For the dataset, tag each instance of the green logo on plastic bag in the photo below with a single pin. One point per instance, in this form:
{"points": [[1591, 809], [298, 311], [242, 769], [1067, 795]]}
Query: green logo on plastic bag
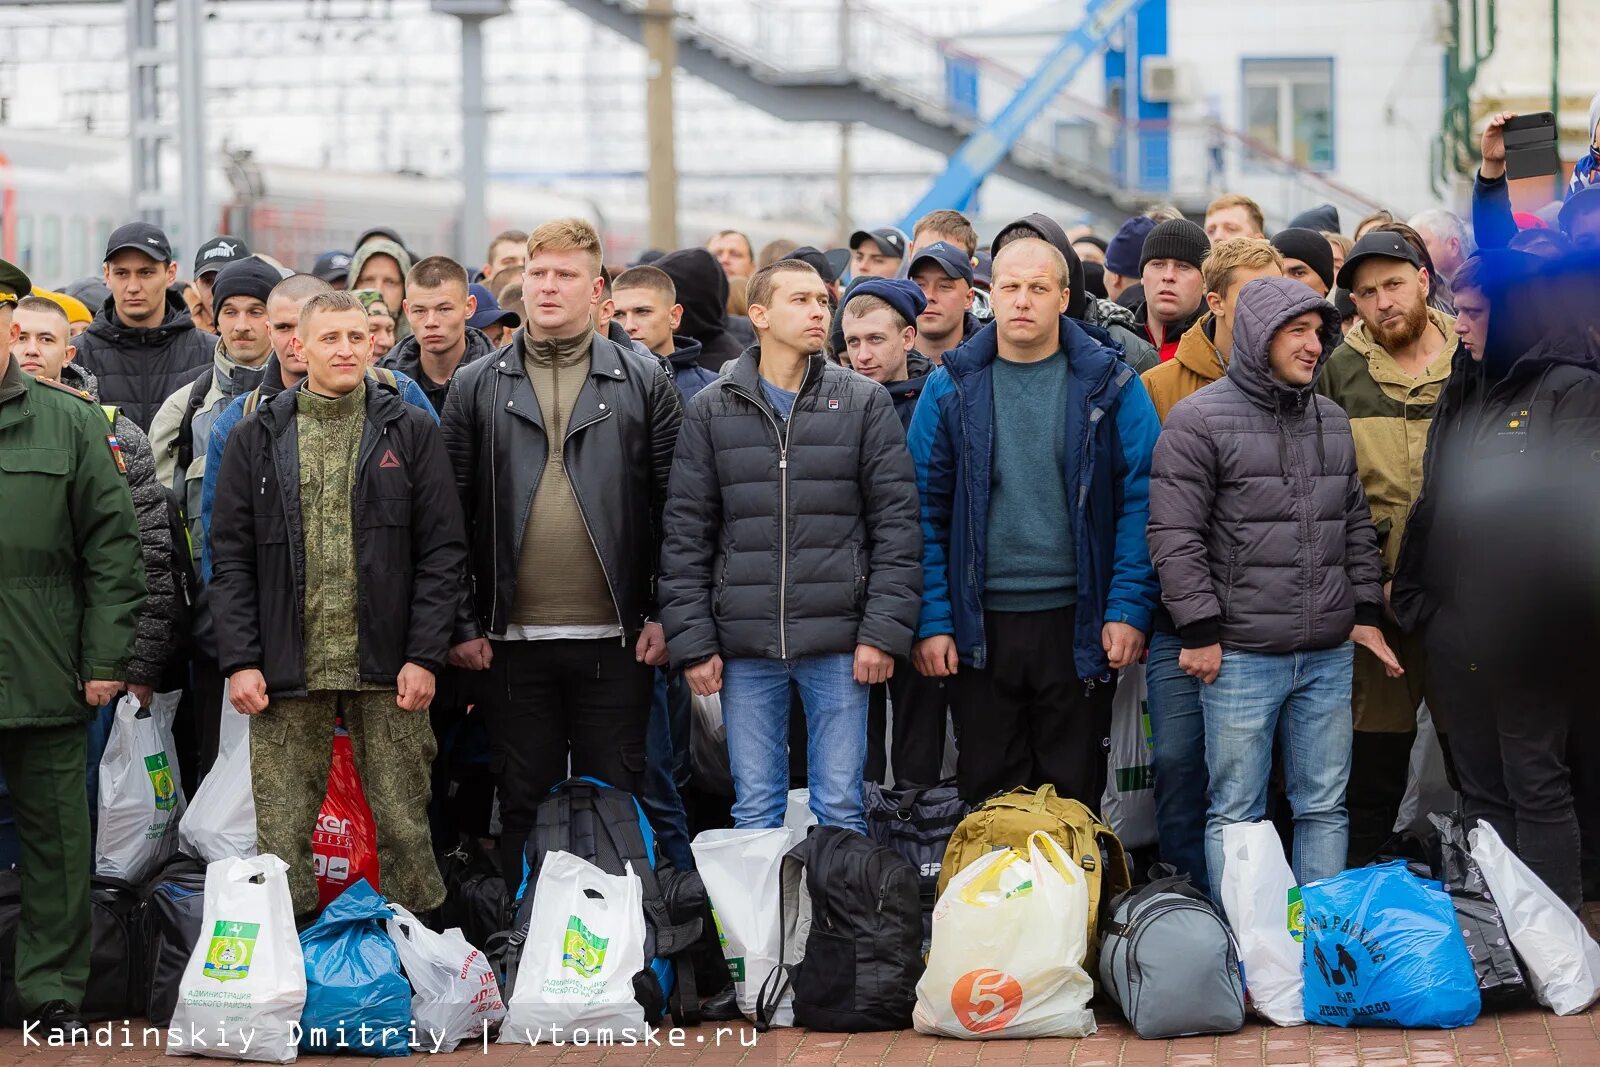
{"points": [[735, 963], [1297, 915], [232, 947], [581, 950], [161, 779]]}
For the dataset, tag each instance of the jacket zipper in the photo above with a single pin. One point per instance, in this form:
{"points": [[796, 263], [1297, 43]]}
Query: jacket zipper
{"points": [[980, 654], [364, 453], [566, 440], [783, 505]]}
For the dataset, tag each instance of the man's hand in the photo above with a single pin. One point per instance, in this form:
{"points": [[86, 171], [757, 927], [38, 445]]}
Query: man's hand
{"points": [[704, 678], [1371, 639], [247, 692], [142, 693], [936, 656], [873, 665], [652, 646], [99, 694], [1493, 146], [474, 655], [1202, 663], [414, 688], [1123, 644]]}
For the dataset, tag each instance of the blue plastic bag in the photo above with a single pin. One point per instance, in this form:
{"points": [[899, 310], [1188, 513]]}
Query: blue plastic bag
{"points": [[353, 978], [1382, 948]]}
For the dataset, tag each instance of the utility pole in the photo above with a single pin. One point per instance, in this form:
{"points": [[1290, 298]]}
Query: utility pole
{"points": [[472, 232], [661, 52], [844, 179]]}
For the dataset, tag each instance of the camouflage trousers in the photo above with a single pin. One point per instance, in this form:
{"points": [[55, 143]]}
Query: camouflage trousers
{"points": [[291, 752]]}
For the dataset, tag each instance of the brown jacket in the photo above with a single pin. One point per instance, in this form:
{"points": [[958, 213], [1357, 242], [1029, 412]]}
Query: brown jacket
{"points": [[1194, 366]]}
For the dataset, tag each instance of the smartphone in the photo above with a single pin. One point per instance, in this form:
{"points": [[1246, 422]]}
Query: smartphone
{"points": [[1531, 146]]}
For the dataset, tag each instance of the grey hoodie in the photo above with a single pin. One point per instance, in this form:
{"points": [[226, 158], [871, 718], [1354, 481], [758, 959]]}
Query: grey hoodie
{"points": [[1259, 528]]}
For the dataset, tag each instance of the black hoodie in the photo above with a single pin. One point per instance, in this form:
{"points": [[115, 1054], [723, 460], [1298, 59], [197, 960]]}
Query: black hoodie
{"points": [[905, 393], [406, 358], [139, 368], [703, 292]]}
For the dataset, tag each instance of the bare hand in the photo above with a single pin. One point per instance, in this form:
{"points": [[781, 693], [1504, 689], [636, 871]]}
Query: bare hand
{"points": [[247, 692], [704, 678], [652, 646], [474, 655], [1202, 663], [1371, 639], [1123, 644], [1493, 146], [414, 688], [99, 694], [936, 656], [873, 665]]}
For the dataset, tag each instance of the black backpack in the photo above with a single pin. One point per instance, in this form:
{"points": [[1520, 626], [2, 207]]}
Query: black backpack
{"points": [[863, 953], [115, 982], [608, 828], [475, 897], [169, 929], [916, 822]]}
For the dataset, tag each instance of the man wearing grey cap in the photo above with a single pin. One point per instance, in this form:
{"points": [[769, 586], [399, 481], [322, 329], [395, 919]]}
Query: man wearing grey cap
{"points": [[142, 343]]}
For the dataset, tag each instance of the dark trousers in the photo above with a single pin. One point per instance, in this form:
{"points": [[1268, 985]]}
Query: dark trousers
{"points": [[917, 745], [662, 803], [1508, 740], [1027, 719], [551, 702], [1380, 766]]}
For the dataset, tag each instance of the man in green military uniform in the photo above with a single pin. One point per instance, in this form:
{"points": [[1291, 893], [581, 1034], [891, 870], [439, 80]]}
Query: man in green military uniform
{"points": [[71, 581]]}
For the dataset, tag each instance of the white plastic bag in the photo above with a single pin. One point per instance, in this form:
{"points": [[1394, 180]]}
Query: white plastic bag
{"points": [[140, 799], [797, 814], [1262, 901], [585, 944], [1129, 803], [1563, 961], [708, 746], [454, 996], [221, 820], [742, 872], [1009, 937], [244, 989]]}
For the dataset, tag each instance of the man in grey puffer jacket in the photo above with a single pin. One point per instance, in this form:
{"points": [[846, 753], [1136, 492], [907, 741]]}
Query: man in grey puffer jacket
{"points": [[1268, 560]]}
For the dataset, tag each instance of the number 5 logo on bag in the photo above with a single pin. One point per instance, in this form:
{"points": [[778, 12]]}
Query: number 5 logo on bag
{"points": [[985, 1001]]}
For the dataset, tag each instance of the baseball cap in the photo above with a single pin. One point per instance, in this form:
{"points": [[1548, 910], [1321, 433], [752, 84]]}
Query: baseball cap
{"points": [[888, 240], [489, 312], [1377, 243], [14, 284], [331, 266], [818, 261], [218, 253], [950, 259], [839, 260], [145, 236], [983, 270], [1585, 199]]}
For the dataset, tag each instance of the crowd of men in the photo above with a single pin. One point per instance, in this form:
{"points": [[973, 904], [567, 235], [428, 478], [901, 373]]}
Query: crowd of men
{"points": [[1310, 481]]}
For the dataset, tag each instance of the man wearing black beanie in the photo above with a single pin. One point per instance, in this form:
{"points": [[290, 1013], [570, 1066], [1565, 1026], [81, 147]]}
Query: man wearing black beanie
{"points": [[1174, 291], [1307, 258]]}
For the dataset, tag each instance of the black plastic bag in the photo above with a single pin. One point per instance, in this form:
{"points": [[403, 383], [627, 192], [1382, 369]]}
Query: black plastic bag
{"points": [[1501, 980]]}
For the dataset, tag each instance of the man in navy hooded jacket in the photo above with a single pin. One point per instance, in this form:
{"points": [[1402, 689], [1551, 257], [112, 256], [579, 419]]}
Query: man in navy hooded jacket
{"points": [[1032, 446]]}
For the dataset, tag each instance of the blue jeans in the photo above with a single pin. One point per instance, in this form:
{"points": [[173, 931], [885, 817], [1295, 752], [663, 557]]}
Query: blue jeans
{"points": [[661, 801], [1178, 733], [755, 707], [1303, 698]]}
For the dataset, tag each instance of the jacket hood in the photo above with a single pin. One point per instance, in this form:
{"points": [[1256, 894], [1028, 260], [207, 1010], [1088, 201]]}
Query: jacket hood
{"points": [[702, 290], [1197, 350], [232, 378], [406, 355], [106, 324], [685, 353], [379, 248], [1089, 358], [1264, 306], [80, 378], [1046, 228], [1360, 338]]}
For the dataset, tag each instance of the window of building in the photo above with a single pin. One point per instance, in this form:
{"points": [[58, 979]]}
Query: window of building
{"points": [[1288, 106]]}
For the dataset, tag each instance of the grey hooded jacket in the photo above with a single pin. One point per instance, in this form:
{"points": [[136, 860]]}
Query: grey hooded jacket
{"points": [[1259, 528]]}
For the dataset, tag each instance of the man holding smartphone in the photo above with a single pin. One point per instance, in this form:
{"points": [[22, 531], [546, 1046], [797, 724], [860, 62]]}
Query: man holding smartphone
{"points": [[1492, 219]]}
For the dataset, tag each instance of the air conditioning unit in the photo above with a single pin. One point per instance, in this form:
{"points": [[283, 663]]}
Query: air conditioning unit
{"points": [[1161, 79]]}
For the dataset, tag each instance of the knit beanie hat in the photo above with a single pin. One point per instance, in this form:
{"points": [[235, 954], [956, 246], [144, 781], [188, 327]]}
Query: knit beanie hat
{"points": [[1122, 254], [1177, 239], [899, 293], [250, 277], [1310, 248], [1324, 218]]}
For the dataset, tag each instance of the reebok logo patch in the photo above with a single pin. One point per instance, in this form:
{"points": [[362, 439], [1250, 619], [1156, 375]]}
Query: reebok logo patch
{"points": [[389, 460]]}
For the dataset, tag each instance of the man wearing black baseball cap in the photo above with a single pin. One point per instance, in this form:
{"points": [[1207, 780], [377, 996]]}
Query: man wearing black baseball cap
{"points": [[212, 257], [333, 268], [880, 252], [944, 274], [818, 259], [142, 344], [1388, 375]]}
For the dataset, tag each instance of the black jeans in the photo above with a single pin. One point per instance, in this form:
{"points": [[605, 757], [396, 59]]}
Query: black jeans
{"points": [[551, 701], [917, 747], [1380, 767], [1027, 719], [1508, 741]]}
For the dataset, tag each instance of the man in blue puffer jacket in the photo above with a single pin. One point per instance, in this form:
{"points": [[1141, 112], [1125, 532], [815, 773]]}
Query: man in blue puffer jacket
{"points": [[1032, 446]]}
